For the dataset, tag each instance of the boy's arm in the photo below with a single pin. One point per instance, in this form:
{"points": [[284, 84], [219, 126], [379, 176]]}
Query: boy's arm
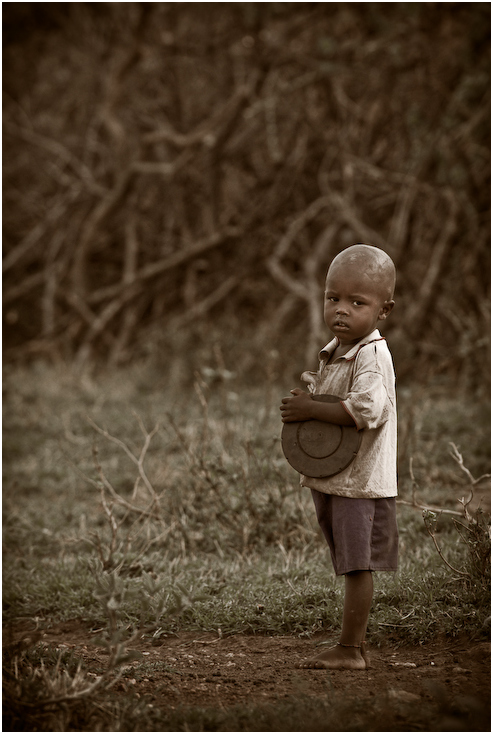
{"points": [[301, 407]]}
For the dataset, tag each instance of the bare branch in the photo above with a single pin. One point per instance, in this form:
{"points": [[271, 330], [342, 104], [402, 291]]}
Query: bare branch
{"points": [[354, 221], [99, 213], [282, 276], [418, 309], [440, 553], [205, 132], [418, 505], [130, 315], [32, 238], [59, 150], [139, 462], [457, 456], [168, 263], [162, 168], [26, 285], [429, 508], [198, 310]]}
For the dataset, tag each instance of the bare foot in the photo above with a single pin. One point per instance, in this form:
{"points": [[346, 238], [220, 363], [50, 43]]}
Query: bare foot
{"points": [[337, 658]]}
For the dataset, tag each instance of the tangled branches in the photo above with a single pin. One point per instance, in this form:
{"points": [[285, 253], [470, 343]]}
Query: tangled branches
{"points": [[171, 157]]}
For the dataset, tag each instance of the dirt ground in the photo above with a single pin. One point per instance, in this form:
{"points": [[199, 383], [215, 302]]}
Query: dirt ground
{"points": [[449, 680]]}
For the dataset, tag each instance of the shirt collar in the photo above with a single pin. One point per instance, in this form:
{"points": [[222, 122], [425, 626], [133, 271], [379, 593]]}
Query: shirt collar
{"points": [[325, 353]]}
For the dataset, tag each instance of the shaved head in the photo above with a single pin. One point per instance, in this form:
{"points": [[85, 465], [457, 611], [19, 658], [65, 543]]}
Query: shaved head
{"points": [[373, 264]]}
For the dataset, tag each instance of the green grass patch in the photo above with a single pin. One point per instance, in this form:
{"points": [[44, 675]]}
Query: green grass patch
{"points": [[104, 477], [133, 508]]}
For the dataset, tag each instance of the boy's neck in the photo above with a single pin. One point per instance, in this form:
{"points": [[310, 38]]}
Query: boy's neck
{"points": [[339, 351], [342, 348]]}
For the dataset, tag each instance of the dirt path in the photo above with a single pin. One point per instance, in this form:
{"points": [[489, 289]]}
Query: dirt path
{"points": [[436, 685]]}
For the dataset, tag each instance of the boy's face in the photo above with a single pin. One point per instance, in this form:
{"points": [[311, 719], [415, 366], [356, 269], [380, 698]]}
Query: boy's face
{"points": [[354, 303]]}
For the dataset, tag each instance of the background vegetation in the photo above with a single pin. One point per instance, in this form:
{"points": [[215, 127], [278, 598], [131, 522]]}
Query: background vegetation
{"points": [[193, 167]]}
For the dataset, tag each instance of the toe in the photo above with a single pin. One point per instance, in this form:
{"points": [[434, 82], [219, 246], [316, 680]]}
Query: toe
{"points": [[307, 664]]}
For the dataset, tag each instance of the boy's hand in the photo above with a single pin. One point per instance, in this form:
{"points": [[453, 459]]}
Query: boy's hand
{"points": [[296, 408], [301, 407]]}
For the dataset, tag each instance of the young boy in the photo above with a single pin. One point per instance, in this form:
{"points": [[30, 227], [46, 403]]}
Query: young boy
{"points": [[356, 507]]}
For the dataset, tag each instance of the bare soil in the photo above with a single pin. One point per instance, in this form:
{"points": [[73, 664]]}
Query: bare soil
{"points": [[443, 684]]}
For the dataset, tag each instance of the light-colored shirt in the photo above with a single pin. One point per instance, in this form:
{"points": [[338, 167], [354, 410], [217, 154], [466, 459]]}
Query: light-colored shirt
{"points": [[364, 380]]}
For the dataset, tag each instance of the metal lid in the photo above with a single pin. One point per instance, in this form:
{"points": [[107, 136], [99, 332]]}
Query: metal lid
{"points": [[317, 448]]}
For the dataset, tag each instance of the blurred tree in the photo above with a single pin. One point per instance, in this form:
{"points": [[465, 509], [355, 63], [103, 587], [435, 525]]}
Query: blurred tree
{"points": [[162, 160]]}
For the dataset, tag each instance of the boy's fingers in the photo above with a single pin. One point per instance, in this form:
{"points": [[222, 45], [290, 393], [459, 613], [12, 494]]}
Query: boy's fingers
{"points": [[285, 401]]}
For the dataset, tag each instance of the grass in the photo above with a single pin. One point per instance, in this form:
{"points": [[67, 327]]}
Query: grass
{"points": [[130, 503]]}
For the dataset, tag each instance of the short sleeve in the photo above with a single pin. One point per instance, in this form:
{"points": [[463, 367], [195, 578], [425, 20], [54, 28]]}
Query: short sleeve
{"points": [[371, 397], [368, 402]]}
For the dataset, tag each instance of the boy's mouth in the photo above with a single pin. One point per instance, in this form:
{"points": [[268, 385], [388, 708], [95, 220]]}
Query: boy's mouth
{"points": [[340, 325]]}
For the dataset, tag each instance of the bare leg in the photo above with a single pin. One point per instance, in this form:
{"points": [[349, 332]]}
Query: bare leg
{"points": [[358, 597], [357, 603]]}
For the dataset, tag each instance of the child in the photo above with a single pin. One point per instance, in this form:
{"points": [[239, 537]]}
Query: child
{"points": [[355, 508]]}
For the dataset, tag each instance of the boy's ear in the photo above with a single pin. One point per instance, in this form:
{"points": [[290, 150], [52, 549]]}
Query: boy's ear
{"points": [[386, 309]]}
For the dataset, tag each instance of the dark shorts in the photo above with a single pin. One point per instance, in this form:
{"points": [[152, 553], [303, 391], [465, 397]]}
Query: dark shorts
{"points": [[362, 533]]}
